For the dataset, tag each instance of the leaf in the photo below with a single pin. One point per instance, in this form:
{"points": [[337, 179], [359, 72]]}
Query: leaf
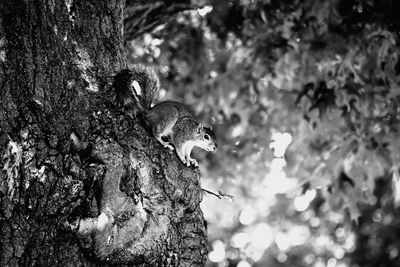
{"points": [[354, 211], [351, 195]]}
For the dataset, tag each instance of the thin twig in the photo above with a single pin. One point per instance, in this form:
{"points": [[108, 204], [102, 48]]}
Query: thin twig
{"points": [[219, 195]]}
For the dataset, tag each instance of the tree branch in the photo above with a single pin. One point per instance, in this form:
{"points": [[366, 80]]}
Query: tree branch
{"points": [[144, 17]]}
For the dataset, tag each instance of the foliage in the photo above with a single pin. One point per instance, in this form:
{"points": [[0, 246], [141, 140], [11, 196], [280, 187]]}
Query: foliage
{"points": [[326, 73]]}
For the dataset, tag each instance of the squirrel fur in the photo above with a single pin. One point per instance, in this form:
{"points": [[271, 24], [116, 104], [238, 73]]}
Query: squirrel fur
{"points": [[172, 123]]}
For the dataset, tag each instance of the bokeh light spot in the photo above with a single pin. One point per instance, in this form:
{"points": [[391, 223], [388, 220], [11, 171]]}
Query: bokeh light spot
{"points": [[218, 252], [240, 240], [261, 237], [243, 263], [301, 203], [247, 216], [280, 142]]}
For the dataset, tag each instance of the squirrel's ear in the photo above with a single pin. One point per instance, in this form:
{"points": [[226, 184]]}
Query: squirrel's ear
{"points": [[199, 128]]}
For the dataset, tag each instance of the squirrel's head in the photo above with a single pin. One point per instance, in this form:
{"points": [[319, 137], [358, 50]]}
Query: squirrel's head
{"points": [[205, 138]]}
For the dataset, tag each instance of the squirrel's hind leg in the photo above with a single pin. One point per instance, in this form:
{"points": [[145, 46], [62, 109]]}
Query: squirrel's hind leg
{"points": [[163, 119], [164, 143], [163, 130]]}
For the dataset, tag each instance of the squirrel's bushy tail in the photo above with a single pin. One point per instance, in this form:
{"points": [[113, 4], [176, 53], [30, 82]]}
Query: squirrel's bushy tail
{"points": [[136, 87]]}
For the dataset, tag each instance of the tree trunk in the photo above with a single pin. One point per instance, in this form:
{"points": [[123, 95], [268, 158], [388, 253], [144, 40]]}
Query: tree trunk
{"points": [[81, 183]]}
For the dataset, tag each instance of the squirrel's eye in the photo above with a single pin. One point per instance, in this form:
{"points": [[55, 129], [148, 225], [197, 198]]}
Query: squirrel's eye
{"points": [[206, 137]]}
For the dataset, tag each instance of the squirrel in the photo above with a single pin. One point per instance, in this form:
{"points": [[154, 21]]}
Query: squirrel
{"points": [[172, 123]]}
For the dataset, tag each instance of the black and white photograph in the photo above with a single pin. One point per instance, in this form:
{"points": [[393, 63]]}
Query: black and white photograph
{"points": [[191, 133]]}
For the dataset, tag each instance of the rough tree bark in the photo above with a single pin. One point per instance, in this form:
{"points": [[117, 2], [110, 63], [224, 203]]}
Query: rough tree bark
{"points": [[81, 183]]}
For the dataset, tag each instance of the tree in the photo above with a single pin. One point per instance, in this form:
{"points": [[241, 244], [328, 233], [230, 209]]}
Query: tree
{"points": [[70, 158]]}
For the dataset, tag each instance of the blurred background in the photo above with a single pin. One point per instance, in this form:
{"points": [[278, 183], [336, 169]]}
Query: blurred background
{"points": [[303, 97]]}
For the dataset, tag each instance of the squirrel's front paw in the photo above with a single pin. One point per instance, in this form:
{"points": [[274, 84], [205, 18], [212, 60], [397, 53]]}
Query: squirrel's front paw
{"points": [[193, 162], [184, 160]]}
